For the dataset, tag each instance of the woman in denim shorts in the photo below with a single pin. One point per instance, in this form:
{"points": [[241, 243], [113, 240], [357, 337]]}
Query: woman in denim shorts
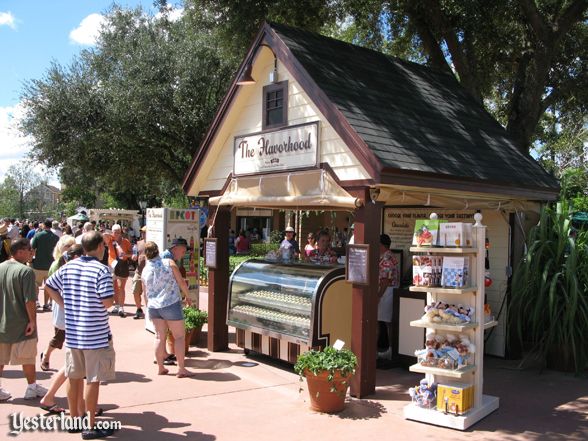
{"points": [[163, 287]]}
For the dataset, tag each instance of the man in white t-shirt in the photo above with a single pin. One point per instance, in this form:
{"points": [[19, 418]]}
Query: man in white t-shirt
{"points": [[85, 229]]}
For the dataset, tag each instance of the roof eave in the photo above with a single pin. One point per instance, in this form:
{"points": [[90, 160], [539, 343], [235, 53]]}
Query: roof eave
{"points": [[423, 179]]}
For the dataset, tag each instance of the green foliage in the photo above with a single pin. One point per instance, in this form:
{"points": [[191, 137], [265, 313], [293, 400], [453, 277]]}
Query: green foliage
{"points": [[176, 200], [126, 117], [329, 359], [261, 249], [549, 304], [574, 187], [194, 318], [276, 237], [235, 261], [9, 198]]}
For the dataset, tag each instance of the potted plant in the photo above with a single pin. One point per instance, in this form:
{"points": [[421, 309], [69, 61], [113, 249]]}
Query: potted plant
{"points": [[327, 374], [194, 319]]}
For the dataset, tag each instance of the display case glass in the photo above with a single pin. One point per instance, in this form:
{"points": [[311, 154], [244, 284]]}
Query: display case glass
{"points": [[276, 298]]}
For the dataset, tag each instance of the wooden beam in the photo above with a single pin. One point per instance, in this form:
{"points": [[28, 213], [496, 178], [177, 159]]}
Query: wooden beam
{"points": [[365, 298], [218, 284]]}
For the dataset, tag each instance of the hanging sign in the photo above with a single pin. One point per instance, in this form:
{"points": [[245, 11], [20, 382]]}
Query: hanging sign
{"points": [[357, 264], [210, 252], [291, 148]]}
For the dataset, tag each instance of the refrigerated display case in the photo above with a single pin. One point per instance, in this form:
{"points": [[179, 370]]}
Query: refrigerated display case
{"points": [[283, 309]]}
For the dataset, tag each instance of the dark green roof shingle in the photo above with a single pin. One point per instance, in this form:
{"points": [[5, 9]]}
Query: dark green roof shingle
{"points": [[413, 117]]}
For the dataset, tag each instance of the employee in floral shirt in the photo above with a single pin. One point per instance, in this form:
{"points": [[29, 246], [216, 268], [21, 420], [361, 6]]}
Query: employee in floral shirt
{"points": [[323, 254], [388, 279]]}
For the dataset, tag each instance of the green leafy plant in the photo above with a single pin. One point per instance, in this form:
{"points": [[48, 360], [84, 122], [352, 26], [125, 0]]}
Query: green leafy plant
{"points": [[194, 318], [329, 359], [549, 304]]}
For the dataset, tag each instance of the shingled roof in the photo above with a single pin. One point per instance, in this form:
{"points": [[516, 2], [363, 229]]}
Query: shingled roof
{"points": [[413, 118]]}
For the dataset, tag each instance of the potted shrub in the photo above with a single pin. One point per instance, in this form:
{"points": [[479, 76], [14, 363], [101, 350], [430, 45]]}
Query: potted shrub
{"points": [[194, 319], [327, 374]]}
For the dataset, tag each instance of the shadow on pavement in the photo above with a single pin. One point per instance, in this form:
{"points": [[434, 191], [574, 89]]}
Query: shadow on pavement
{"points": [[130, 377], [136, 425], [362, 410], [16, 372], [213, 376]]}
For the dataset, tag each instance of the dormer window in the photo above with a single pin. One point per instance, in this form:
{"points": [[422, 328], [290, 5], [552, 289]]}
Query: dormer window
{"points": [[275, 105]]}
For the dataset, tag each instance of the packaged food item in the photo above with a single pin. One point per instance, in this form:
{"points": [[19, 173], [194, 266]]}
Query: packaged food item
{"points": [[455, 272], [455, 234], [424, 395], [426, 232], [455, 398]]}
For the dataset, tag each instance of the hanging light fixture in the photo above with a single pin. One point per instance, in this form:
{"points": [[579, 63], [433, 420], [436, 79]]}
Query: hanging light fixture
{"points": [[246, 77]]}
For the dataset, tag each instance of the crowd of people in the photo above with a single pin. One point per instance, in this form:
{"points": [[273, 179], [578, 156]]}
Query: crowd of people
{"points": [[82, 273]]}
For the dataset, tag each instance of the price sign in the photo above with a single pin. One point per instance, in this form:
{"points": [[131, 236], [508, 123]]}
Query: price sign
{"points": [[357, 264], [210, 252]]}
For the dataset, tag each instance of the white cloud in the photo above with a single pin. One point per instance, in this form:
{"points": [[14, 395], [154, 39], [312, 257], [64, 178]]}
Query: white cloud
{"points": [[87, 32], [13, 146], [173, 14], [7, 19]]}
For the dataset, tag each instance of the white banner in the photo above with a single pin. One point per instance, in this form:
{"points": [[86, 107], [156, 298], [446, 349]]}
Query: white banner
{"points": [[291, 148]]}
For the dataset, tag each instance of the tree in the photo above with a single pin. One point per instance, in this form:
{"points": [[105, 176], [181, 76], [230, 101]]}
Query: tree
{"points": [[9, 200], [22, 179], [519, 57], [126, 117]]}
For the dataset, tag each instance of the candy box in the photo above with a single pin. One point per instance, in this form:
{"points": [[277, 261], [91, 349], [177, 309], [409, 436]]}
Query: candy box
{"points": [[455, 234], [455, 398], [426, 232], [423, 270], [455, 272]]}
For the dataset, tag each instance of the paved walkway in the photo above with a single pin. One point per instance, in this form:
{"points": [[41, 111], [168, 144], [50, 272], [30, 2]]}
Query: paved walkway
{"points": [[235, 398]]}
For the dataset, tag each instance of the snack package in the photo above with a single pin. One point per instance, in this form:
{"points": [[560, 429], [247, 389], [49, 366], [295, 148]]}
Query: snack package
{"points": [[455, 272], [455, 234], [426, 232]]}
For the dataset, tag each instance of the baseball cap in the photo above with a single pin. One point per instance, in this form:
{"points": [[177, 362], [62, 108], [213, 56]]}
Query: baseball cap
{"points": [[289, 230], [179, 241]]}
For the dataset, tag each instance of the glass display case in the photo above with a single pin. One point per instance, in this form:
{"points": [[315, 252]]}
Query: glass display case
{"points": [[287, 302]]}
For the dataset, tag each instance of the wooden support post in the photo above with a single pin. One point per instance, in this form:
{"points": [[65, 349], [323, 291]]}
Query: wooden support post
{"points": [[218, 284], [365, 298]]}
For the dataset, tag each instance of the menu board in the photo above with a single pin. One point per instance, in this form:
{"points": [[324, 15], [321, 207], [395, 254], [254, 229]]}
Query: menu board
{"points": [[398, 223], [210, 252], [357, 264]]}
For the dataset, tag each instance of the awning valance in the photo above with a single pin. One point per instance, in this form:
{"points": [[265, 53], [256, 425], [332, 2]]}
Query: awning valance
{"points": [[451, 199], [308, 189]]}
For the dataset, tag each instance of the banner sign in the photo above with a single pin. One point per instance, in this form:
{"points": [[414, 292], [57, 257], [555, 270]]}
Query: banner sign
{"points": [[291, 148]]}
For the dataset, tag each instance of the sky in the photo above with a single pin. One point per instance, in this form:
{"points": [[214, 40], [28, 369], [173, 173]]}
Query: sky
{"points": [[33, 33]]}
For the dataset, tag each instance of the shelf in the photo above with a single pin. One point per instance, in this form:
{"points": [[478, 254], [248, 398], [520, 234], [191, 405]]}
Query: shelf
{"points": [[443, 326], [301, 308], [438, 250], [271, 315], [459, 422], [436, 290], [452, 373], [490, 324]]}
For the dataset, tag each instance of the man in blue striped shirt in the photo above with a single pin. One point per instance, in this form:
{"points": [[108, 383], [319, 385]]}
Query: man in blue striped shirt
{"points": [[84, 289]]}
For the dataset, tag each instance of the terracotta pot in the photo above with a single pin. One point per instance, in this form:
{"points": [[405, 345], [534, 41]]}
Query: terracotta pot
{"points": [[195, 341], [188, 339], [322, 399]]}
